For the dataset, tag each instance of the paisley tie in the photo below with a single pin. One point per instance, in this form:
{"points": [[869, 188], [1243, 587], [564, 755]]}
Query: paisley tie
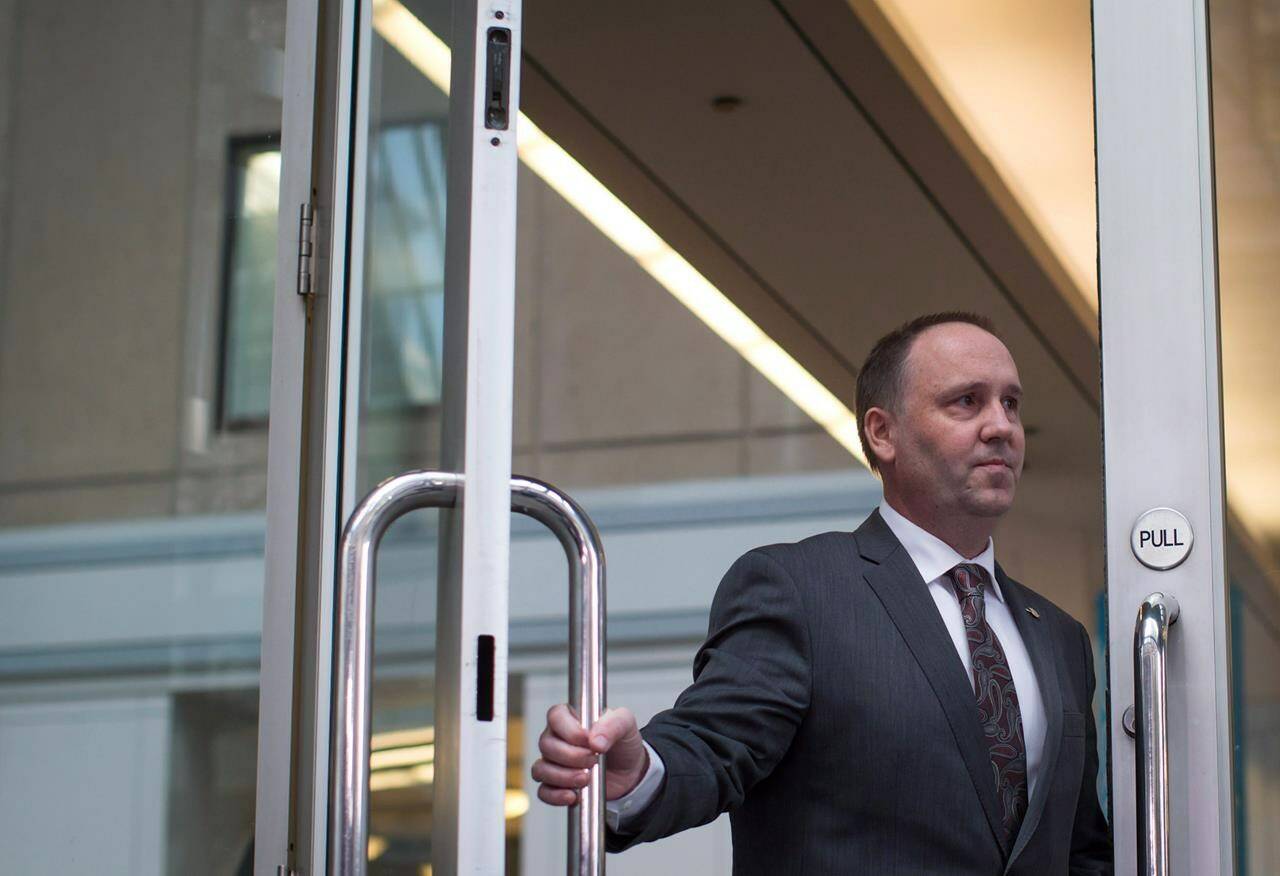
{"points": [[997, 699]]}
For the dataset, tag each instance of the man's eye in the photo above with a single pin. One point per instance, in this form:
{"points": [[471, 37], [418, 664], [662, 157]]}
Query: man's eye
{"points": [[966, 399], [1011, 404]]}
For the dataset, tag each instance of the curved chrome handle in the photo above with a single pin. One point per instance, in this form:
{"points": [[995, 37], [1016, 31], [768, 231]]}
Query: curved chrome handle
{"points": [[1150, 645], [581, 542], [353, 642]]}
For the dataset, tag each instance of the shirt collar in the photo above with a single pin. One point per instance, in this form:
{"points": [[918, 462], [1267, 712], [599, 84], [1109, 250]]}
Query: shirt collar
{"points": [[933, 556]]}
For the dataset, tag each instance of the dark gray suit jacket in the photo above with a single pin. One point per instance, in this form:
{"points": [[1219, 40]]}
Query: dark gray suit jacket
{"points": [[832, 718]]}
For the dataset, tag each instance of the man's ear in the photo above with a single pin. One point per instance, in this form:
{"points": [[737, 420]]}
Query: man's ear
{"points": [[877, 423]]}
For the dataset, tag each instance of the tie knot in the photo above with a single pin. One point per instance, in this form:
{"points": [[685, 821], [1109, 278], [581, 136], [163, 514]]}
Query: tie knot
{"points": [[968, 579]]}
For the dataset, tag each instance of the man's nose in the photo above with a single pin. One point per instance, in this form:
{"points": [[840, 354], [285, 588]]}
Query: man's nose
{"points": [[997, 425]]}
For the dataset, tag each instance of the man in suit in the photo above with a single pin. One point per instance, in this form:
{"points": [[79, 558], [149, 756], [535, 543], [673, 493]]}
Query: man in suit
{"points": [[887, 701]]}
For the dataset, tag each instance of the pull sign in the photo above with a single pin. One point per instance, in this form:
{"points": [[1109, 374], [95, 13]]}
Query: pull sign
{"points": [[1161, 539], [497, 79]]}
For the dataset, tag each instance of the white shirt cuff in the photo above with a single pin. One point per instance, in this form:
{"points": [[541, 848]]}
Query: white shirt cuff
{"points": [[618, 814]]}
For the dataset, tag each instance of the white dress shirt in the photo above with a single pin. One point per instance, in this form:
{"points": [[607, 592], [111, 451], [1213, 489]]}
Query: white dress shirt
{"points": [[933, 558]]}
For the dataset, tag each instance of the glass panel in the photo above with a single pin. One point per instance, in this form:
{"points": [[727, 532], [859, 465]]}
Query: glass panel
{"points": [[1035, 130], [633, 392], [1256, 713], [634, 389], [1246, 107], [405, 279], [139, 168], [399, 428], [677, 447]]}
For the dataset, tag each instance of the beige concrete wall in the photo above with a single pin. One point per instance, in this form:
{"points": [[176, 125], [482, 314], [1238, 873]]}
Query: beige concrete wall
{"points": [[115, 145], [91, 329]]}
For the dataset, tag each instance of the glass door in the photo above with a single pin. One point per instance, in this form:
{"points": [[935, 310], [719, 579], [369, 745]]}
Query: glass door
{"points": [[696, 407], [419, 129], [1187, 208], [1243, 63]]}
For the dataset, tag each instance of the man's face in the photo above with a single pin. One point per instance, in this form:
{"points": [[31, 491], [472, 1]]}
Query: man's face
{"points": [[958, 439]]}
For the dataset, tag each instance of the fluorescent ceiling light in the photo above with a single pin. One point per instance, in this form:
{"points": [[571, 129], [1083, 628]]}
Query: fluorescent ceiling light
{"points": [[515, 804], [401, 738], [413, 39], [425, 51], [386, 780], [410, 755]]}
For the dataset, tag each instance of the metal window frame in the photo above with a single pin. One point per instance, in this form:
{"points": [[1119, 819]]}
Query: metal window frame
{"points": [[1162, 404]]}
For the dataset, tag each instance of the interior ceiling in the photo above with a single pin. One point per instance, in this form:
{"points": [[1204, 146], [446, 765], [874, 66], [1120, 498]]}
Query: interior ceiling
{"points": [[797, 203], [833, 202], [1035, 127], [1037, 130]]}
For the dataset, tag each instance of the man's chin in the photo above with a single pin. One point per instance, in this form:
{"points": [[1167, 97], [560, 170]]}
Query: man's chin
{"points": [[990, 503]]}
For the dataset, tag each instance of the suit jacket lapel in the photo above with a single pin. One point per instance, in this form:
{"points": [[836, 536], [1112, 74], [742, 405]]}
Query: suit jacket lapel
{"points": [[1036, 637], [905, 595]]}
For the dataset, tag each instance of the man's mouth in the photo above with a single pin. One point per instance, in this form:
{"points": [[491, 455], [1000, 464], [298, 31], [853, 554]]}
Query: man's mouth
{"points": [[994, 463]]}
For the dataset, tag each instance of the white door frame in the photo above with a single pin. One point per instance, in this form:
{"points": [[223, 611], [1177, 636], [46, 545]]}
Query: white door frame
{"points": [[288, 433], [474, 568]]}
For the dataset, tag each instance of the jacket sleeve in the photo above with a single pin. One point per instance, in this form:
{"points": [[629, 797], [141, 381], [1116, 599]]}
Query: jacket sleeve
{"points": [[1091, 850], [750, 691]]}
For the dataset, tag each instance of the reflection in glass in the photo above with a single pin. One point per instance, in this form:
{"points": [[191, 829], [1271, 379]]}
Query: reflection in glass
{"points": [[251, 279], [1246, 108], [402, 772], [405, 260], [405, 278], [402, 318]]}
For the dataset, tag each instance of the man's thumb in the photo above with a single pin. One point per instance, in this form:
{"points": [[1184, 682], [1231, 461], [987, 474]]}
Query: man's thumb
{"points": [[613, 726]]}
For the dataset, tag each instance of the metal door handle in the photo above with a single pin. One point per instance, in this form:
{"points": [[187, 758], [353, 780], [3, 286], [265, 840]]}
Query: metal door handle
{"points": [[391, 499], [353, 640], [581, 542], [1151, 729]]}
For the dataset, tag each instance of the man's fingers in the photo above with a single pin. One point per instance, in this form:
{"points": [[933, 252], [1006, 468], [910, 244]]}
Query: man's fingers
{"points": [[558, 785], [558, 776], [557, 796], [614, 725], [557, 751], [564, 723], [569, 753]]}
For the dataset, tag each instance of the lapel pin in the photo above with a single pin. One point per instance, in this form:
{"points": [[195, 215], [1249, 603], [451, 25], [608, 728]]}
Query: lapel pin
{"points": [[1031, 611]]}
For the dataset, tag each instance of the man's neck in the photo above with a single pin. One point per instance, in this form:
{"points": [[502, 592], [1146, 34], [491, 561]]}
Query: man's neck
{"points": [[966, 536]]}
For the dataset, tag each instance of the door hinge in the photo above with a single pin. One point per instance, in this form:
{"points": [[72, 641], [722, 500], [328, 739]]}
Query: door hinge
{"points": [[306, 223]]}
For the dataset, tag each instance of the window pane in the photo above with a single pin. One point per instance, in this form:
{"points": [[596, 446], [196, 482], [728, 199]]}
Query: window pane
{"points": [[405, 266], [251, 281]]}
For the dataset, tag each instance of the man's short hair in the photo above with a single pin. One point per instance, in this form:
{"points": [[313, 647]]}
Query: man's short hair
{"points": [[880, 380]]}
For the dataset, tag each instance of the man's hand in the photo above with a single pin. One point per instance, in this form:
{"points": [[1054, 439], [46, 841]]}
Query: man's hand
{"points": [[568, 752]]}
